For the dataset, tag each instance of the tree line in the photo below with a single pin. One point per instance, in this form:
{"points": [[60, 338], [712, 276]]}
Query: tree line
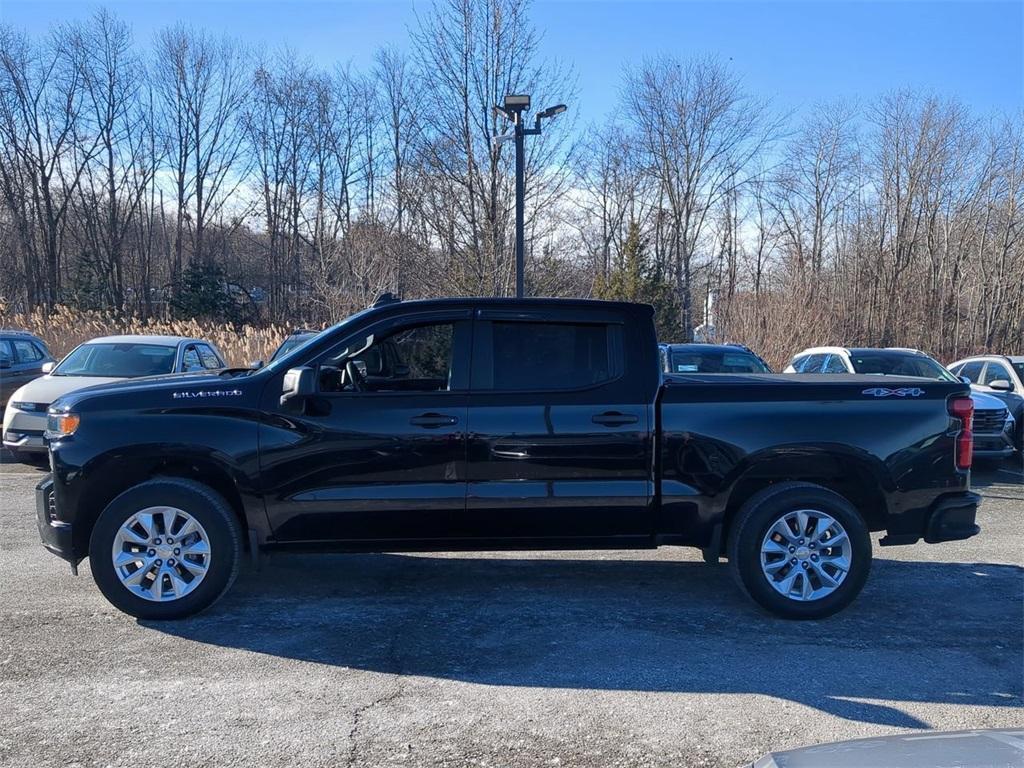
{"points": [[193, 175]]}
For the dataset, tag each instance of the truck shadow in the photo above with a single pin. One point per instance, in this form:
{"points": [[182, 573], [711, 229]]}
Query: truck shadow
{"points": [[920, 631]]}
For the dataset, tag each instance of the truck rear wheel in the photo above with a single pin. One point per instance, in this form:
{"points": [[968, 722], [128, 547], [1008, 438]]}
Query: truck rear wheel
{"points": [[165, 549], [799, 550]]}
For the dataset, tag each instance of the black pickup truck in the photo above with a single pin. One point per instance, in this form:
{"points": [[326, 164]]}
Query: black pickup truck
{"points": [[483, 424]]}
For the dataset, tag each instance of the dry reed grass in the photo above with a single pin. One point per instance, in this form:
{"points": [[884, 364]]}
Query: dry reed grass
{"points": [[65, 328]]}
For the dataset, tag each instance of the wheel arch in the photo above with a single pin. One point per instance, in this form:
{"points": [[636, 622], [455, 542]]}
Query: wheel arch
{"points": [[855, 478], [118, 474]]}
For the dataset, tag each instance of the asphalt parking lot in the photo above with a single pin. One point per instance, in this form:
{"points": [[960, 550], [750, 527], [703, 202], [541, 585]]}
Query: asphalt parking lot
{"points": [[568, 659]]}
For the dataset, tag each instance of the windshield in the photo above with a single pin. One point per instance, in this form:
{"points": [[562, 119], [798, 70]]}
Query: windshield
{"points": [[716, 361], [889, 364], [1019, 368], [126, 360], [291, 343]]}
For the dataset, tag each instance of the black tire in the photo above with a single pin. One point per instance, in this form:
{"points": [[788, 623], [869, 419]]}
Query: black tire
{"points": [[201, 502], [751, 525]]}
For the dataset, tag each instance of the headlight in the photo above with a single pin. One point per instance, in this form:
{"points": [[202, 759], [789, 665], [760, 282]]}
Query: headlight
{"points": [[61, 425], [19, 406]]}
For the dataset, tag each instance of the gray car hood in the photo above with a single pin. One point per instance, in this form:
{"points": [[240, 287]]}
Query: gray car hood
{"points": [[1003, 748]]}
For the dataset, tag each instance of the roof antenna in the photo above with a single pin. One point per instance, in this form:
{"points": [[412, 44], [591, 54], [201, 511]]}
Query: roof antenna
{"points": [[385, 298]]}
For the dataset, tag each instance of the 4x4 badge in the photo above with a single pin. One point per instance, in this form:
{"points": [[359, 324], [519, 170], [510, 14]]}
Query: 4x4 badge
{"points": [[899, 392]]}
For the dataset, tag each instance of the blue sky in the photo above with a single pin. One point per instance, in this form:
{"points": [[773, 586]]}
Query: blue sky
{"points": [[798, 53]]}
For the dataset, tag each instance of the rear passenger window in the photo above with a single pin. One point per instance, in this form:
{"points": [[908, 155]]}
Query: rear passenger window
{"points": [[6, 353], [552, 356]]}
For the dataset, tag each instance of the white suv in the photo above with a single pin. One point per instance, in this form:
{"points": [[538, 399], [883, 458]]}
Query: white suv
{"points": [[1001, 376]]}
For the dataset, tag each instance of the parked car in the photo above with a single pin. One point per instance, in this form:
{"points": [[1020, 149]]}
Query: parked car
{"points": [[710, 358], [500, 424], [980, 748], [993, 425], [294, 339], [99, 361], [22, 357], [1001, 376]]}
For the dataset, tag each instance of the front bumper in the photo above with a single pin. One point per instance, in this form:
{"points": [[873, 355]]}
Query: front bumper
{"points": [[25, 442], [23, 430], [994, 445], [55, 534]]}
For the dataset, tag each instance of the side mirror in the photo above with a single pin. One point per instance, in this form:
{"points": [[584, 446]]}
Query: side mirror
{"points": [[47, 367], [1001, 385], [965, 380], [256, 364], [298, 383]]}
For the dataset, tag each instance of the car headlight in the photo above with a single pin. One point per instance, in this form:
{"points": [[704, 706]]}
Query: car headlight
{"points": [[22, 406], [61, 424]]}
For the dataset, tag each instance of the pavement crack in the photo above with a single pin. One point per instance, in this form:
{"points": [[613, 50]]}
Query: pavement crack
{"points": [[397, 675]]}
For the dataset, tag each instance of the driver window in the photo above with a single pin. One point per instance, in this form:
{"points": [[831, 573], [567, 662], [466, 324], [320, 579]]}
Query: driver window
{"points": [[416, 359], [995, 372]]}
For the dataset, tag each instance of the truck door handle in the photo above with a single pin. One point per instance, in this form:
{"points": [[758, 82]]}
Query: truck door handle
{"points": [[614, 419], [433, 420]]}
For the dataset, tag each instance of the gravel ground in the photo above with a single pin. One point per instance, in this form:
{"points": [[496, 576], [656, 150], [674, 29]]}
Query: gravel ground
{"points": [[524, 659]]}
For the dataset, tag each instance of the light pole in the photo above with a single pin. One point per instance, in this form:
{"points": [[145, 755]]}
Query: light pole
{"points": [[512, 110]]}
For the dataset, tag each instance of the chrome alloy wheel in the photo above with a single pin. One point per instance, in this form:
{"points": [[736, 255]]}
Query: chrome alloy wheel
{"points": [[161, 554], [806, 555]]}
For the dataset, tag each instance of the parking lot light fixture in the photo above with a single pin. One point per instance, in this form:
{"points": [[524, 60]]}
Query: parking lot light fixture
{"points": [[512, 109]]}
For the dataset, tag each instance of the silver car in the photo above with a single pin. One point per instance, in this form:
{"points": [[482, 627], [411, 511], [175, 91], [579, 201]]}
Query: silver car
{"points": [[100, 361], [982, 748]]}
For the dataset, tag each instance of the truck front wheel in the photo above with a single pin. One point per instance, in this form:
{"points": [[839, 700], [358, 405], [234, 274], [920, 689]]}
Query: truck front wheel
{"points": [[165, 549], [799, 550]]}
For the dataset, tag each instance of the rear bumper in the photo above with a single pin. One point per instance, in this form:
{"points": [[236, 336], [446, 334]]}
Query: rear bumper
{"points": [[952, 518], [55, 534]]}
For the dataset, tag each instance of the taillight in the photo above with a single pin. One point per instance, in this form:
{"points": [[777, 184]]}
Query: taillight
{"points": [[963, 408]]}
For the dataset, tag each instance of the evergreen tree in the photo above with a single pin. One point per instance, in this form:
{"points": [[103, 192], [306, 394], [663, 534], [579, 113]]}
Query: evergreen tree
{"points": [[636, 278], [203, 293]]}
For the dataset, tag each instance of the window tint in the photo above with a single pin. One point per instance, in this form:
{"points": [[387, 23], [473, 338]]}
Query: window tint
{"points": [[713, 361], [417, 359], [6, 352], [26, 352], [995, 372], [890, 364], [190, 360], [814, 364], [834, 364], [551, 356], [208, 357], [798, 363], [972, 371]]}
